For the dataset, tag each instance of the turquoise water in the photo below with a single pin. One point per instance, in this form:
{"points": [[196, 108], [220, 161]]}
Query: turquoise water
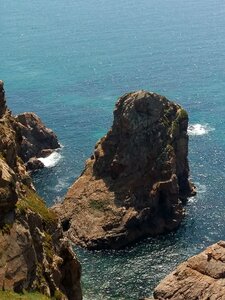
{"points": [[69, 61]]}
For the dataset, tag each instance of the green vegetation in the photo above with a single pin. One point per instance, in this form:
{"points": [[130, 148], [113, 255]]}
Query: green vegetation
{"points": [[165, 121], [182, 114], [175, 127], [58, 295], [5, 229], [47, 244], [2, 157], [169, 149], [100, 205], [40, 281], [33, 202], [8, 295]]}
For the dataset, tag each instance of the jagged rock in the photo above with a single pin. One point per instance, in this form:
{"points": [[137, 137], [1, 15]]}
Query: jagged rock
{"points": [[2, 99], [200, 277], [34, 255], [46, 152], [132, 185], [8, 188], [38, 140], [34, 164]]}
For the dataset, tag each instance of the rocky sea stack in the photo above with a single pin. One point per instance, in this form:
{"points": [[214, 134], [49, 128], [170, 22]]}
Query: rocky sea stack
{"points": [[134, 183], [34, 255]]}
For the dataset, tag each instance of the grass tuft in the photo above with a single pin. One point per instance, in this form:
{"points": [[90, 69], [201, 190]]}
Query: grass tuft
{"points": [[35, 203]]}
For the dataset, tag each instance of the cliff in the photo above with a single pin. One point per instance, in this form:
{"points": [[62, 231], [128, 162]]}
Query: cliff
{"points": [[200, 277], [34, 255], [133, 184]]}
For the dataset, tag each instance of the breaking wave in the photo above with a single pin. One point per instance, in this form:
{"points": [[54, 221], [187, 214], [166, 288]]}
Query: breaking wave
{"points": [[51, 160], [198, 129]]}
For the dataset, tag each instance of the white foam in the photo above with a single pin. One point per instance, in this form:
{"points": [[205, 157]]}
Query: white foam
{"points": [[51, 160], [199, 129]]}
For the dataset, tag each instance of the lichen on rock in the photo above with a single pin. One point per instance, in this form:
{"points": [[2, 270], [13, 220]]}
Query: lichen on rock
{"points": [[133, 184]]}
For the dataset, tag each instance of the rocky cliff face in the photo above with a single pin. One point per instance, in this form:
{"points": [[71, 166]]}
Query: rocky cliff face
{"points": [[200, 277], [133, 184], [33, 253]]}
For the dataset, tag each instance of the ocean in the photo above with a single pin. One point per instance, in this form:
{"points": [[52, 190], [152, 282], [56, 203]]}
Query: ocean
{"points": [[69, 61]]}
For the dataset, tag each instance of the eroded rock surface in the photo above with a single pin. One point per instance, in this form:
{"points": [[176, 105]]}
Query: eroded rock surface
{"points": [[37, 140], [34, 255], [133, 184], [200, 277]]}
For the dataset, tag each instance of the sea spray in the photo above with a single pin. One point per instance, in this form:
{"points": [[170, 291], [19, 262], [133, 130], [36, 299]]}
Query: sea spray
{"points": [[199, 129], [51, 160]]}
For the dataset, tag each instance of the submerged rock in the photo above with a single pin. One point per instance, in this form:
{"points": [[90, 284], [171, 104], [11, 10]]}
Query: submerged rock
{"points": [[34, 255], [133, 184], [200, 277]]}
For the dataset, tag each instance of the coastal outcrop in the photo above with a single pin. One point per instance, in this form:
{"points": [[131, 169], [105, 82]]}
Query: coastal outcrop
{"points": [[200, 277], [37, 140], [34, 255], [134, 183]]}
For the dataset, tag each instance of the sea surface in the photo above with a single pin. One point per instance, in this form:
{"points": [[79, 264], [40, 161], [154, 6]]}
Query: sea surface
{"points": [[70, 60]]}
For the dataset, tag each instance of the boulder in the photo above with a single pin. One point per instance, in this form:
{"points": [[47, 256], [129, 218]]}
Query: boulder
{"points": [[37, 139], [133, 184], [34, 164], [200, 277]]}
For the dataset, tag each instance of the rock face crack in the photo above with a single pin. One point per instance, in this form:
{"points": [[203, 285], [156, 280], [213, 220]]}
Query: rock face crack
{"points": [[136, 178]]}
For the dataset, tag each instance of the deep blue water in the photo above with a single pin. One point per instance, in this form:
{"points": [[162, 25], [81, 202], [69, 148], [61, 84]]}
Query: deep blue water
{"points": [[70, 60]]}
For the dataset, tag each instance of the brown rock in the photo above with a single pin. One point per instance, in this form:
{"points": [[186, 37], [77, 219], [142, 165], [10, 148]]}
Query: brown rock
{"points": [[34, 255], [36, 137], [200, 277], [132, 185], [8, 189]]}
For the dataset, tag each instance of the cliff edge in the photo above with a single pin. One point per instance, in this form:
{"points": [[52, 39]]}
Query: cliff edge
{"points": [[34, 255], [134, 183]]}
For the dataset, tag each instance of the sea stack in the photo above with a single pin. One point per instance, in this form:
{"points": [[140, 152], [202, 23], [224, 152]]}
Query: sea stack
{"points": [[134, 183]]}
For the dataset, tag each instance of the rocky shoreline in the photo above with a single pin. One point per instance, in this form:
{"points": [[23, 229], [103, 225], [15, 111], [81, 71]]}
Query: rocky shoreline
{"points": [[134, 185], [34, 254]]}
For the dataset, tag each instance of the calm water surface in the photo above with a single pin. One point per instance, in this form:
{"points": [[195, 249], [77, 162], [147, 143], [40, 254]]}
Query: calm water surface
{"points": [[69, 61]]}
